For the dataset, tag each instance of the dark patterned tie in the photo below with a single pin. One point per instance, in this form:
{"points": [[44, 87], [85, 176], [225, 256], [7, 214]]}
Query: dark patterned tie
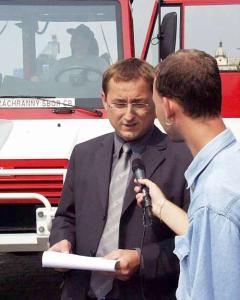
{"points": [[100, 284]]}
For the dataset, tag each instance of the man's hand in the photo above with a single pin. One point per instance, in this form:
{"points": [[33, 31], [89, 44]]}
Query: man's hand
{"points": [[128, 263], [63, 246]]}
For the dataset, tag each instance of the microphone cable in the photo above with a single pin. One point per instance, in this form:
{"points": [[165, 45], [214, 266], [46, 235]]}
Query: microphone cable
{"points": [[139, 172], [141, 270]]}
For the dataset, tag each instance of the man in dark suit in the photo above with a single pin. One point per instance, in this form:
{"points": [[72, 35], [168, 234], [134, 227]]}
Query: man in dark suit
{"points": [[148, 272]]}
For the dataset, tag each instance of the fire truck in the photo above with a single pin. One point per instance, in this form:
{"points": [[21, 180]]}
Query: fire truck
{"points": [[49, 101]]}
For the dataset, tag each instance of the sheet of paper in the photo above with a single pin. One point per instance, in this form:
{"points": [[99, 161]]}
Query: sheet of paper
{"points": [[51, 259]]}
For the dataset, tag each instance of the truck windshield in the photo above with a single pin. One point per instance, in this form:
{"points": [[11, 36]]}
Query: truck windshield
{"points": [[59, 49]]}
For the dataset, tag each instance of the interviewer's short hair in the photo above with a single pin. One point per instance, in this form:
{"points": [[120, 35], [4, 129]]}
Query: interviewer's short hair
{"points": [[127, 70], [192, 78]]}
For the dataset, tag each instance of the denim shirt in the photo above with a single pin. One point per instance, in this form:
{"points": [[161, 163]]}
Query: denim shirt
{"points": [[209, 253]]}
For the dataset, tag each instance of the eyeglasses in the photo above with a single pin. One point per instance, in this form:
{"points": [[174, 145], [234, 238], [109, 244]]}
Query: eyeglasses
{"points": [[122, 106]]}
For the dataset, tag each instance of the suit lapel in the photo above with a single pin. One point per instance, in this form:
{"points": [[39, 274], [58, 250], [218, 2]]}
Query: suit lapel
{"points": [[152, 158], [103, 165]]}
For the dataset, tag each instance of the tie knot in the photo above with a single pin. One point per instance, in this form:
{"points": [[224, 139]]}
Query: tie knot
{"points": [[126, 148]]}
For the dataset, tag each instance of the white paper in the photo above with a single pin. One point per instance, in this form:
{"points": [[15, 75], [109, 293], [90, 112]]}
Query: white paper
{"points": [[52, 259]]}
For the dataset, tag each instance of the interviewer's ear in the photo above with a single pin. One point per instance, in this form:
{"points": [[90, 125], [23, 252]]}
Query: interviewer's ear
{"points": [[104, 100], [168, 106]]}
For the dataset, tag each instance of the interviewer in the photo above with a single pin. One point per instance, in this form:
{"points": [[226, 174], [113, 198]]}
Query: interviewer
{"points": [[187, 97]]}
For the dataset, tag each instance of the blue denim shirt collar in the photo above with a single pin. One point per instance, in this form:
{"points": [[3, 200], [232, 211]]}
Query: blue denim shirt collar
{"points": [[206, 154]]}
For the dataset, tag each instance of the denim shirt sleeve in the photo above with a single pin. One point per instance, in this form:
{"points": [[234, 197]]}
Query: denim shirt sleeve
{"points": [[209, 257]]}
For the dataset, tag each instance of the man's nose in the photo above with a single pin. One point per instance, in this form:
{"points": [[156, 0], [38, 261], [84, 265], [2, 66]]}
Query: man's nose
{"points": [[129, 113]]}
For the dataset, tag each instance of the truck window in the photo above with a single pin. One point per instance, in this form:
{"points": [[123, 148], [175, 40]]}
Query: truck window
{"points": [[140, 28], [215, 29], [58, 50], [153, 53]]}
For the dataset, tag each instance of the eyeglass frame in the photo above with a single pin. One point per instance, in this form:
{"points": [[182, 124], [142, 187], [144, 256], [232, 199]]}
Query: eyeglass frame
{"points": [[124, 106]]}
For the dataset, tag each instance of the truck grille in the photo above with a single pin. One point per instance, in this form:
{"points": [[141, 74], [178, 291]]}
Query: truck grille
{"points": [[18, 215], [49, 186]]}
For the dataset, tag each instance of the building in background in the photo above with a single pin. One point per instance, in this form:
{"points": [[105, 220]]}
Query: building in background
{"points": [[226, 63]]}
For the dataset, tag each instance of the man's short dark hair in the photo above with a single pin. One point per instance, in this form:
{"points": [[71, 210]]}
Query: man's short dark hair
{"points": [[192, 78], [127, 70]]}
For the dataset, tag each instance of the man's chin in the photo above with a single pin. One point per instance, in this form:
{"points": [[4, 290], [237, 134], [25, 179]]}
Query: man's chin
{"points": [[176, 139], [129, 136]]}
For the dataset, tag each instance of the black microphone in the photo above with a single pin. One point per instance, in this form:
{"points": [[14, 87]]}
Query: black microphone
{"points": [[140, 173]]}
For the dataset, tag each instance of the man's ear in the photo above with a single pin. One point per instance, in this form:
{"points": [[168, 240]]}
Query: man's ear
{"points": [[104, 100], [169, 107]]}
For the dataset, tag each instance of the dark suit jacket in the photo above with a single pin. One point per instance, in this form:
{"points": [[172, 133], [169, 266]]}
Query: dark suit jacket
{"points": [[81, 215]]}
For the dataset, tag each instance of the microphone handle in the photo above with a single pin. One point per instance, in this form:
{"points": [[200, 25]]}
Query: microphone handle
{"points": [[147, 206]]}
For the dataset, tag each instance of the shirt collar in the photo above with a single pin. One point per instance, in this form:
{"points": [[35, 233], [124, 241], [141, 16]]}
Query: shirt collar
{"points": [[118, 142], [207, 153]]}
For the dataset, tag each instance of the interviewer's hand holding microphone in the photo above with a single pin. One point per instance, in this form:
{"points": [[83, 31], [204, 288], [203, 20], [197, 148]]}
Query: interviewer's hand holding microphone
{"points": [[169, 213]]}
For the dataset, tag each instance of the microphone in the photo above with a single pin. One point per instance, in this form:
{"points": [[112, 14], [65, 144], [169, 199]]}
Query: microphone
{"points": [[140, 173]]}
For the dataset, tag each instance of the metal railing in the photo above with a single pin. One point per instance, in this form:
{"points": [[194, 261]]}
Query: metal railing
{"points": [[13, 242], [12, 172]]}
